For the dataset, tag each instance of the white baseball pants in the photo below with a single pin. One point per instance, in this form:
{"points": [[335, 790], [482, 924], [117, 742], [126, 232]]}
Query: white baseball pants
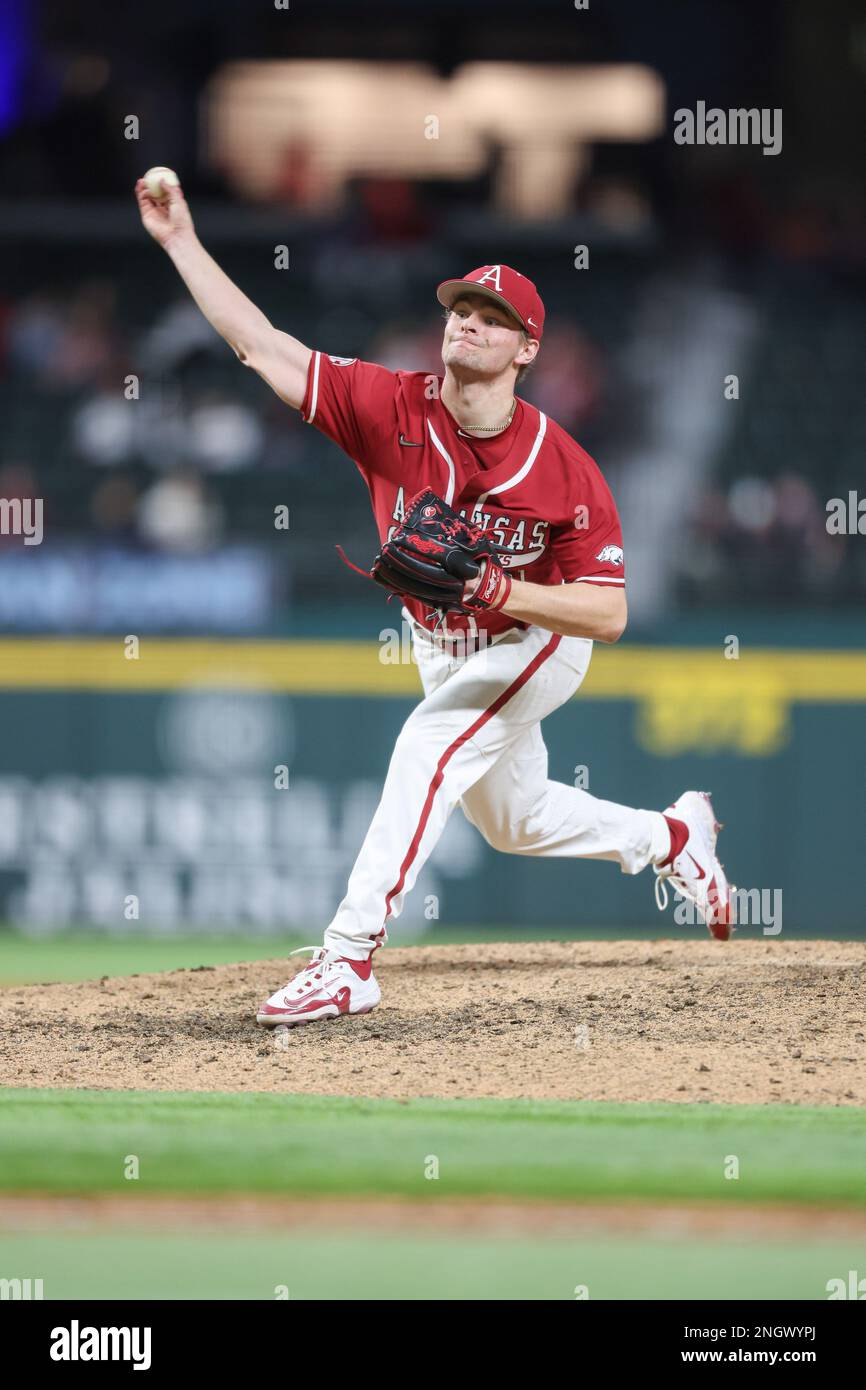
{"points": [[475, 740]]}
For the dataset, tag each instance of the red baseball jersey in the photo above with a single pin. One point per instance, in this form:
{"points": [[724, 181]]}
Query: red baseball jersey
{"points": [[532, 487]]}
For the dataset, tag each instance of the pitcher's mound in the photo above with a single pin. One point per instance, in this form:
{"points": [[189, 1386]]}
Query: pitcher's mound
{"points": [[742, 1022]]}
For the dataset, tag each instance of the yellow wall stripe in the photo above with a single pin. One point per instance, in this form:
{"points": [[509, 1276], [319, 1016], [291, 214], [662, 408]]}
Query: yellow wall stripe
{"points": [[355, 668]]}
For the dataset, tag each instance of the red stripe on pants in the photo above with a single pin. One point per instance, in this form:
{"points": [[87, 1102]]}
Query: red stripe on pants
{"points": [[452, 748]]}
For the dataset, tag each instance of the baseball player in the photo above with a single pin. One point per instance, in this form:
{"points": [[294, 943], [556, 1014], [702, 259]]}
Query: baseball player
{"points": [[517, 642]]}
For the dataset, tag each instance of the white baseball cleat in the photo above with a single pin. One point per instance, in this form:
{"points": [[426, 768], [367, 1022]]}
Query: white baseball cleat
{"points": [[694, 871], [329, 986]]}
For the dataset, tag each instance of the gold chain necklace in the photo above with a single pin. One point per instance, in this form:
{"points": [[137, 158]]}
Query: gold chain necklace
{"points": [[491, 429]]}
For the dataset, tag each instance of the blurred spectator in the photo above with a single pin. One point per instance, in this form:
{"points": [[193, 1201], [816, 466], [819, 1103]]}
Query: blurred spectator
{"points": [[410, 346], [764, 541], [66, 345], [177, 514], [113, 509], [176, 334], [103, 429], [751, 505], [568, 378], [33, 333], [89, 344], [224, 435]]}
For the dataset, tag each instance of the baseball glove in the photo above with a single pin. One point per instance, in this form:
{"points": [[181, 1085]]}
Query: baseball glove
{"points": [[434, 553]]}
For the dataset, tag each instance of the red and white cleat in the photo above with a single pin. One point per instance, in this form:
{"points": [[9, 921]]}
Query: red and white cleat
{"points": [[329, 986], [694, 871]]}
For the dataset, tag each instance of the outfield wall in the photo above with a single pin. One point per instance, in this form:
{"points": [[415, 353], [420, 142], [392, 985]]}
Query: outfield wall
{"points": [[148, 792]]}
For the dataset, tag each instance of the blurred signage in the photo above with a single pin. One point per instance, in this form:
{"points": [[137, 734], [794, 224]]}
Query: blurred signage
{"points": [[71, 589], [204, 811], [302, 129]]}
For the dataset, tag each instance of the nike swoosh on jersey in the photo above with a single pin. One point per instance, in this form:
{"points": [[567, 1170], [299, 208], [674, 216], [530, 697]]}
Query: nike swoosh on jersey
{"points": [[412, 443]]}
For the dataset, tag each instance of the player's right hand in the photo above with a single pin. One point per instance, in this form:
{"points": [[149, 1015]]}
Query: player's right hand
{"points": [[165, 221]]}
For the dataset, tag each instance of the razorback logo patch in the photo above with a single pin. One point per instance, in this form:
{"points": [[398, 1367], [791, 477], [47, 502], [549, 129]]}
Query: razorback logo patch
{"points": [[610, 555]]}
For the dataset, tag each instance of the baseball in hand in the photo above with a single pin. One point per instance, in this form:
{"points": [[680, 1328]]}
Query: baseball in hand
{"points": [[156, 177]]}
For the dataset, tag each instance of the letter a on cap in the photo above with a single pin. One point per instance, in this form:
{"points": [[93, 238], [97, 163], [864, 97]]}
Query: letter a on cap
{"points": [[491, 275]]}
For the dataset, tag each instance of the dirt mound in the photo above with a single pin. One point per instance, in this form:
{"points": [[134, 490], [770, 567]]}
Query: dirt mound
{"points": [[743, 1022]]}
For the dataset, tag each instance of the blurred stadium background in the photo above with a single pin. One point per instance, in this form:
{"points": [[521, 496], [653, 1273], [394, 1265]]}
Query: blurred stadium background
{"points": [[384, 147]]}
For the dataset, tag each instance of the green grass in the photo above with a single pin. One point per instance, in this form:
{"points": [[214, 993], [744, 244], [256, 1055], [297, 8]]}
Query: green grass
{"points": [[85, 955], [77, 1141], [372, 1266], [210, 1143]]}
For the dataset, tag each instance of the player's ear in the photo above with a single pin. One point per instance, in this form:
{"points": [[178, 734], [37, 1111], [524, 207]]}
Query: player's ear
{"points": [[528, 350]]}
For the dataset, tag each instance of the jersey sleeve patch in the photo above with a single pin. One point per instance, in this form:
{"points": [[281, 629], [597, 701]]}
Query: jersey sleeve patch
{"points": [[610, 555], [350, 401]]}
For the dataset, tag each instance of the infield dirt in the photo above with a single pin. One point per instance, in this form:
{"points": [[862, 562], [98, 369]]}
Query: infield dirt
{"points": [[742, 1022]]}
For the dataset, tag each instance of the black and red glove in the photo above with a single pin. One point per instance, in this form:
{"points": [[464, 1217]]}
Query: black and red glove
{"points": [[435, 552]]}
